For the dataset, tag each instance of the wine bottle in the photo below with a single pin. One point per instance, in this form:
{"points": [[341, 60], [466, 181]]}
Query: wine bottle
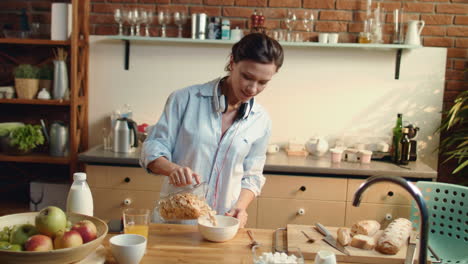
{"points": [[396, 138]]}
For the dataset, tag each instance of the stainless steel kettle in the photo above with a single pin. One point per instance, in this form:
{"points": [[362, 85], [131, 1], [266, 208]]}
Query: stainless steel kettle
{"points": [[58, 139], [125, 135]]}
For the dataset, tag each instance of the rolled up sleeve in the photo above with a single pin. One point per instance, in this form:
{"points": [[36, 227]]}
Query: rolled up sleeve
{"points": [[253, 178], [162, 136]]}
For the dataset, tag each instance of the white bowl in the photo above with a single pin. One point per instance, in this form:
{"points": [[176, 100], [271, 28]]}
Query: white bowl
{"points": [[225, 229], [128, 248]]}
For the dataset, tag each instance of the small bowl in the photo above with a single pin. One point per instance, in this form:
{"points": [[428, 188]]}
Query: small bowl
{"points": [[260, 254], [128, 248], [225, 229]]}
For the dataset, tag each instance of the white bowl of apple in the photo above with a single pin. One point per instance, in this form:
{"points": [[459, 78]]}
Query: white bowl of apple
{"points": [[49, 237]]}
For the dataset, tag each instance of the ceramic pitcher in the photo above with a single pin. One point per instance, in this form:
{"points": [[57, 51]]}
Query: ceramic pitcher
{"points": [[413, 32]]}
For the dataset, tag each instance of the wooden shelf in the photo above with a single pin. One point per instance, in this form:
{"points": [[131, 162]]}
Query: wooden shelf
{"points": [[13, 207], [34, 41], [35, 158], [35, 102]]}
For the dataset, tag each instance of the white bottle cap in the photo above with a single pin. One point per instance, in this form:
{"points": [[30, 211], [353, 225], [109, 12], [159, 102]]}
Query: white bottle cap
{"points": [[79, 176]]}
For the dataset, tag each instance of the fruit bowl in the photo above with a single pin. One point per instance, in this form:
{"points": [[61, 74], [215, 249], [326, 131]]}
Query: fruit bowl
{"points": [[57, 256]]}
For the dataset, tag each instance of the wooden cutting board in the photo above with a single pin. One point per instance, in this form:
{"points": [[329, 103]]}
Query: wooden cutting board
{"points": [[296, 239]]}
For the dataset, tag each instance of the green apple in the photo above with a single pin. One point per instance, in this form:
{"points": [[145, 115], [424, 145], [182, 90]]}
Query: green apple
{"points": [[11, 247], [15, 247], [50, 220], [21, 233]]}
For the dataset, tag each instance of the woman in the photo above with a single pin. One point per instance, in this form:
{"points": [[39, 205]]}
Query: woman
{"points": [[216, 132]]}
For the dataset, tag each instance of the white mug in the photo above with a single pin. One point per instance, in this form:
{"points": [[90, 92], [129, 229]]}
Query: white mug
{"points": [[323, 37], [272, 148], [333, 38], [325, 257], [128, 248]]}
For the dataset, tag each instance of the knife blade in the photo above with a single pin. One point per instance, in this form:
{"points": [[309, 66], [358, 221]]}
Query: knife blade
{"points": [[329, 239], [411, 248]]}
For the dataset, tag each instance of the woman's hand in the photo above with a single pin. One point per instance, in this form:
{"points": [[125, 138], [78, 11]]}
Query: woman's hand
{"points": [[240, 214], [182, 176]]}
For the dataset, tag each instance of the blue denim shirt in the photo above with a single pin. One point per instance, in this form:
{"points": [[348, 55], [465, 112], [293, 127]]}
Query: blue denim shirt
{"points": [[188, 133]]}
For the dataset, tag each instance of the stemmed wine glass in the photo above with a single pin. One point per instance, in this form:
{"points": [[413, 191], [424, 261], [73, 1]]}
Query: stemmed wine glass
{"points": [[308, 21], [148, 21], [118, 17], [37, 200], [180, 18], [136, 20], [128, 16], [290, 22], [164, 18]]}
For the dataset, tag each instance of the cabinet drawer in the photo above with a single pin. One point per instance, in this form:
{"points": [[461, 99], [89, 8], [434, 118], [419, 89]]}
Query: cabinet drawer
{"points": [[305, 188], [108, 203], [383, 192], [275, 213], [252, 212], [123, 178], [377, 212]]}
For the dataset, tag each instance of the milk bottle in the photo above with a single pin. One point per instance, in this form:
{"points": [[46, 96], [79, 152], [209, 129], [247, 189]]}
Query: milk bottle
{"points": [[79, 198]]}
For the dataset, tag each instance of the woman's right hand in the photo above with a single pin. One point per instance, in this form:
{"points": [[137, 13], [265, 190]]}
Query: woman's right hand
{"points": [[182, 176]]}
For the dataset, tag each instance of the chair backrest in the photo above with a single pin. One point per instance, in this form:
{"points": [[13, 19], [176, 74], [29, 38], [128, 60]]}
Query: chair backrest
{"points": [[448, 219]]}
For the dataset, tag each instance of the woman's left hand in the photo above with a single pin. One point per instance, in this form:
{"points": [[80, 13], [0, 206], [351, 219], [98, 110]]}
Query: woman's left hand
{"points": [[240, 214]]}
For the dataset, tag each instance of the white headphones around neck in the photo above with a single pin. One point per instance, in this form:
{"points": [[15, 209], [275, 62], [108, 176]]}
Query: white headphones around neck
{"points": [[220, 102]]}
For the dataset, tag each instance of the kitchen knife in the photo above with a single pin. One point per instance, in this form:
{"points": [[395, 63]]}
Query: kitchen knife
{"points": [[411, 248], [330, 239]]}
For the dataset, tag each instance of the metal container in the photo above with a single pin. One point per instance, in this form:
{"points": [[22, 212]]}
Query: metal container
{"points": [[58, 144], [60, 80], [125, 135]]}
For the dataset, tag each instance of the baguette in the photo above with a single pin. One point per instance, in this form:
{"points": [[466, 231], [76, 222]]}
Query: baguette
{"points": [[365, 227], [343, 235], [363, 242], [394, 236]]}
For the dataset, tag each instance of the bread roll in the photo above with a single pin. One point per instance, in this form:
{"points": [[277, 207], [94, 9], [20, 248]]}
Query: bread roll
{"points": [[344, 236], [362, 241], [394, 236], [365, 227]]}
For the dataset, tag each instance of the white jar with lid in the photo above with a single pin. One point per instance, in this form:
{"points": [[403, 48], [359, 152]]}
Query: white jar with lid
{"points": [[80, 199]]}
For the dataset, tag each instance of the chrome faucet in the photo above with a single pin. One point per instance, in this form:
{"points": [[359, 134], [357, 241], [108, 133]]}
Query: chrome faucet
{"points": [[416, 194]]}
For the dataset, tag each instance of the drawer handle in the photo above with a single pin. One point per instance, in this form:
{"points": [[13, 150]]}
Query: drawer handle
{"points": [[303, 188], [388, 216], [127, 201], [301, 211], [127, 179], [390, 193]]}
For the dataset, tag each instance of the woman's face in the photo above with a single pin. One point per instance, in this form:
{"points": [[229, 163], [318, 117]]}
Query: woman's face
{"points": [[249, 78]]}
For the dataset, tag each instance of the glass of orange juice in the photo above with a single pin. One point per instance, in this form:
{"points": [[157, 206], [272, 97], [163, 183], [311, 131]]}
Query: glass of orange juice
{"points": [[136, 221]]}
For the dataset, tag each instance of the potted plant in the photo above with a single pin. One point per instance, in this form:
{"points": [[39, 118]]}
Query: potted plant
{"points": [[46, 75], [24, 139], [26, 81], [455, 124]]}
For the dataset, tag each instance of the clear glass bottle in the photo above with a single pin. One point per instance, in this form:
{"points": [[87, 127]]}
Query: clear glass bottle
{"points": [[405, 146], [80, 199], [396, 137]]}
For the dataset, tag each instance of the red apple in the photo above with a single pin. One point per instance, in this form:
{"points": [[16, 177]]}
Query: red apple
{"points": [[87, 230], [67, 239], [38, 243]]}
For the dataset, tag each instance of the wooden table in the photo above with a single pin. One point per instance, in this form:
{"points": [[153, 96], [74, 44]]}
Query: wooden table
{"points": [[184, 244]]}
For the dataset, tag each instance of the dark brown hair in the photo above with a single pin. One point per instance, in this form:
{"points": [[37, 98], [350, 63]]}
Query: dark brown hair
{"points": [[257, 47]]}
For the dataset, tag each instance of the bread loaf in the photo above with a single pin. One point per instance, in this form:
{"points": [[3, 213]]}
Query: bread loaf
{"points": [[363, 242], [344, 236], [365, 227], [394, 236]]}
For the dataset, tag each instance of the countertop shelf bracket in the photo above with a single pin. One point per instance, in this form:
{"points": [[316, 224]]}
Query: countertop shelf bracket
{"points": [[397, 64], [127, 54]]}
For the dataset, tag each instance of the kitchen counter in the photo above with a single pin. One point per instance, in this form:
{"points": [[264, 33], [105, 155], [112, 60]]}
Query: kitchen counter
{"points": [[184, 244], [282, 163]]}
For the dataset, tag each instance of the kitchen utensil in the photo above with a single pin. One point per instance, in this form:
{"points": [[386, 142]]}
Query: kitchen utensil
{"points": [[252, 239], [330, 239], [317, 146], [58, 144], [226, 228], [413, 32], [413, 241], [60, 256], [44, 130], [295, 239], [128, 248], [309, 239], [125, 135]]}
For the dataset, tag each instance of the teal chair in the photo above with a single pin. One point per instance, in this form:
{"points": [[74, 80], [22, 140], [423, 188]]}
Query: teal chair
{"points": [[448, 221]]}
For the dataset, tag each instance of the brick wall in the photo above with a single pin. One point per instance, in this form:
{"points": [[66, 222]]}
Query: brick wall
{"points": [[446, 23]]}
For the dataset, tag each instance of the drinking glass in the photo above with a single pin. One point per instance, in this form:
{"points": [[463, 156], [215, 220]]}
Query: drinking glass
{"points": [[149, 21], [164, 18], [118, 17], [180, 18], [136, 221], [128, 16], [136, 20], [290, 22], [308, 21]]}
